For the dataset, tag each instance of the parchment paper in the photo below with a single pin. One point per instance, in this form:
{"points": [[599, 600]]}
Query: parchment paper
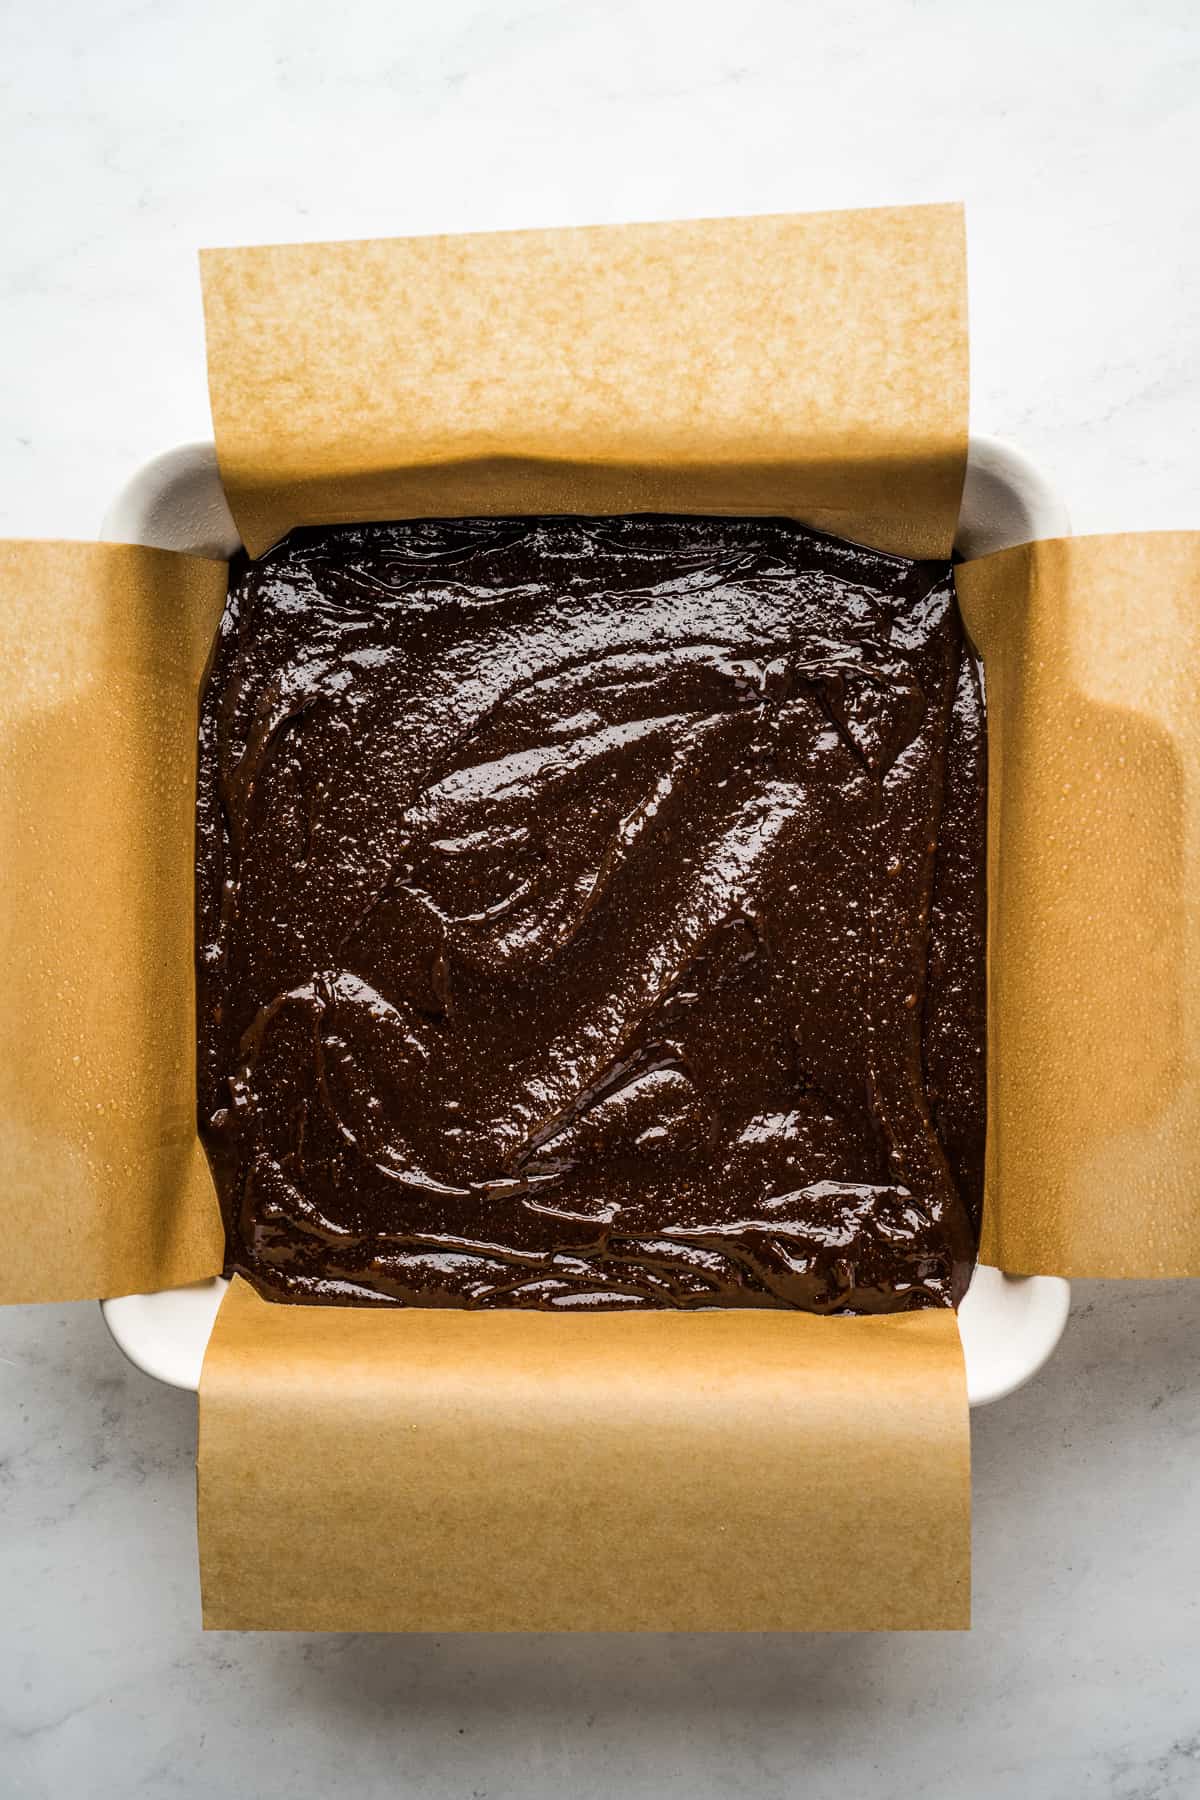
{"points": [[425, 1470], [1092, 654], [438, 1471], [106, 1187], [812, 365], [445, 1471]]}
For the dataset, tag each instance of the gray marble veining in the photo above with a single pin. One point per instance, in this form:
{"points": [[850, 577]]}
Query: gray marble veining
{"points": [[130, 133]]}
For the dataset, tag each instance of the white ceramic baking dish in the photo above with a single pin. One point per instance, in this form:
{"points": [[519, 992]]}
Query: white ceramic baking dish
{"points": [[1010, 1324]]}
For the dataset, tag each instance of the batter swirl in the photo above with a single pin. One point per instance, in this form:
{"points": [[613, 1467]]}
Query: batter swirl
{"points": [[591, 913]]}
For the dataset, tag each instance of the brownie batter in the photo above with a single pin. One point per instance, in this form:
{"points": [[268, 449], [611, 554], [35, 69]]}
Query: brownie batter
{"points": [[591, 914]]}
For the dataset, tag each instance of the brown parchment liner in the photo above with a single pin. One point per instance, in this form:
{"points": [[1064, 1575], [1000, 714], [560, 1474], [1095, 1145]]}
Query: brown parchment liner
{"points": [[1091, 649], [435, 1470], [107, 1189], [363, 1469], [811, 364]]}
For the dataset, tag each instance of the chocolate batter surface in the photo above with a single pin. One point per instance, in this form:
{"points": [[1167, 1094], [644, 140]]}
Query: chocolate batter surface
{"points": [[591, 914]]}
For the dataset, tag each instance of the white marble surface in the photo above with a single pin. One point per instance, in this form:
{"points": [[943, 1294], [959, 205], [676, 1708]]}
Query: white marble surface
{"points": [[133, 131]]}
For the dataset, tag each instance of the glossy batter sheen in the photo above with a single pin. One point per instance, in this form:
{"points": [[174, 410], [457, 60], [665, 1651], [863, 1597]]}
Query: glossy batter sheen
{"points": [[591, 914]]}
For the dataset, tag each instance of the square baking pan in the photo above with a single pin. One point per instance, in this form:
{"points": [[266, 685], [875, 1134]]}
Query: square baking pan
{"points": [[1010, 1324]]}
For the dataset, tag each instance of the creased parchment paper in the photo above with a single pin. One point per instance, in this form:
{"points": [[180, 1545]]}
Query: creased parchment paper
{"points": [[439, 1471], [433, 1470], [106, 1187], [807, 364], [1091, 648], [419, 1470]]}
